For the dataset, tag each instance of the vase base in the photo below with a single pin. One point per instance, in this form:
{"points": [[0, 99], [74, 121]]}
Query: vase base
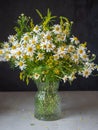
{"points": [[47, 117]]}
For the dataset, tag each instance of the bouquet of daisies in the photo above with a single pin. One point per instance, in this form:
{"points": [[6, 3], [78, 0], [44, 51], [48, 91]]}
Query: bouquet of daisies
{"points": [[47, 51]]}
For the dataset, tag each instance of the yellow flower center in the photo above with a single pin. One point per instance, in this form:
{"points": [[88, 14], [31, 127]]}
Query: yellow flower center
{"points": [[11, 40], [75, 56], [20, 63], [30, 49], [7, 57], [49, 46], [57, 28], [44, 46], [26, 38], [1, 52], [40, 55], [13, 47], [81, 51], [24, 56], [38, 47], [36, 28], [18, 45], [18, 53], [75, 38], [86, 72], [84, 56], [62, 48], [48, 37], [58, 36], [33, 42]]}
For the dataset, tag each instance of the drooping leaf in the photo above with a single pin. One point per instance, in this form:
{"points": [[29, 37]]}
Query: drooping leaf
{"points": [[39, 13]]}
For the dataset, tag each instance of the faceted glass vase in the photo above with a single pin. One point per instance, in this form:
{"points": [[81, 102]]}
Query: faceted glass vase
{"points": [[47, 103]]}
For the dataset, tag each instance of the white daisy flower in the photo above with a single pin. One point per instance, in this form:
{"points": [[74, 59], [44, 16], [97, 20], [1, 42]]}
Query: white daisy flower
{"points": [[25, 38], [85, 57], [13, 51], [96, 67], [42, 35], [18, 53], [36, 76], [43, 46], [48, 36], [92, 66], [37, 29], [86, 73], [72, 77], [65, 78], [61, 37], [57, 29], [2, 58], [21, 64], [56, 57], [6, 45], [33, 40], [81, 51], [1, 51], [62, 50], [11, 38], [71, 48], [75, 40], [30, 49], [50, 47], [75, 57], [7, 56], [40, 56]]}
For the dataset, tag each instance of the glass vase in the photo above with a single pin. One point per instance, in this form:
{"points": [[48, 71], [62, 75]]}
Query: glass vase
{"points": [[47, 104]]}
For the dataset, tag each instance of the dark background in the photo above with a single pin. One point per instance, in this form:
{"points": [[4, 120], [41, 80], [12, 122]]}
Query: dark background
{"points": [[84, 13]]}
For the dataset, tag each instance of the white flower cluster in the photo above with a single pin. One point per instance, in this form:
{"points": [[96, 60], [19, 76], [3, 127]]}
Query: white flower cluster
{"points": [[39, 45]]}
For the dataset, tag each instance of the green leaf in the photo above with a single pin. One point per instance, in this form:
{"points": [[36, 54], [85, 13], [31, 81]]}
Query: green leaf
{"points": [[31, 24], [39, 13], [27, 80], [24, 24], [21, 75]]}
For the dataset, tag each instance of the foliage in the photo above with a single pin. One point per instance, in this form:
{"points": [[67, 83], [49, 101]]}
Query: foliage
{"points": [[47, 51], [24, 24]]}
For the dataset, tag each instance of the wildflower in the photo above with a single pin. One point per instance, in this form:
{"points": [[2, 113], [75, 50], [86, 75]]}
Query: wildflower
{"points": [[72, 77], [1, 51], [40, 56], [75, 40], [84, 57], [57, 29], [71, 48], [75, 57], [37, 29], [36, 76], [11, 38], [50, 47], [18, 53], [25, 38], [56, 57], [30, 49], [48, 50], [21, 64], [48, 36], [65, 78], [87, 72], [81, 51]]}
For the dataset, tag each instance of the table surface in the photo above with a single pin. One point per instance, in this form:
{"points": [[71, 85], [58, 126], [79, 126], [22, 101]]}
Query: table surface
{"points": [[79, 111]]}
